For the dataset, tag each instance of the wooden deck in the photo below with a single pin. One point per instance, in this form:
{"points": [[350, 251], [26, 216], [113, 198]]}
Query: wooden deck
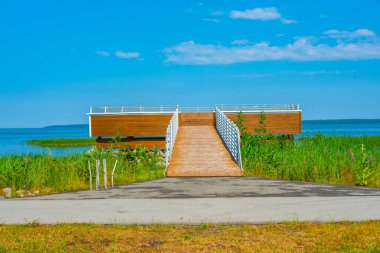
{"points": [[275, 123], [197, 119], [156, 125], [198, 148], [199, 151], [130, 125]]}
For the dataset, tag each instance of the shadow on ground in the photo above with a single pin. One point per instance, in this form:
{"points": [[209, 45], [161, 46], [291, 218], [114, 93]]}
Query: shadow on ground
{"points": [[218, 187]]}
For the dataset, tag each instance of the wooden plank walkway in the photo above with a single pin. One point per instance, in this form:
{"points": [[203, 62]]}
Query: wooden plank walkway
{"points": [[199, 151]]}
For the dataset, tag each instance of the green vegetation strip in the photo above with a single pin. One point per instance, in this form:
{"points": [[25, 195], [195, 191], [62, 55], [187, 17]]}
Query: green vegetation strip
{"points": [[323, 159], [63, 143], [319, 158], [286, 237], [44, 173]]}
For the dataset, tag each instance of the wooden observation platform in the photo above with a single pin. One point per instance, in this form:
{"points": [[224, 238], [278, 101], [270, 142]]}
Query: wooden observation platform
{"points": [[198, 141]]}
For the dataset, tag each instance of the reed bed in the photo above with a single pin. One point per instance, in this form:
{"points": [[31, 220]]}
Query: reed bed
{"points": [[44, 173], [318, 158], [63, 142]]}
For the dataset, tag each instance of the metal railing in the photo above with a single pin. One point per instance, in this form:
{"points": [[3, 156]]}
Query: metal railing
{"points": [[230, 134], [146, 109], [196, 109], [171, 134], [258, 108], [168, 109], [132, 109]]}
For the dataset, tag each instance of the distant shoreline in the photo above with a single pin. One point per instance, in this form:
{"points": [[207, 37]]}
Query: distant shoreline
{"points": [[311, 121], [63, 142], [342, 121]]}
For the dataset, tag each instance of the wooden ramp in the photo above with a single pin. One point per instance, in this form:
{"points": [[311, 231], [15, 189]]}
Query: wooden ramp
{"points": [[199, 151]]}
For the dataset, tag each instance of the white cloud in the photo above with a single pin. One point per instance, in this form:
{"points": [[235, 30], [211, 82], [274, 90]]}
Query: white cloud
{"points": [[256, 75], [291, 72], [288, 21], [127, 55], [336, 34], [326, 72], [191, 53], [103, 53], [263, 14], [240, 42], [212, 20], [257, 13]]}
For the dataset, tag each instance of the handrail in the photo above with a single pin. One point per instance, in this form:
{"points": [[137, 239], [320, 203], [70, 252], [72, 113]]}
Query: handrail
{"points": [[230, 134], [132, 109], [258, 108], [146, 109], [169, 109], [171, 134], [197, 109]]}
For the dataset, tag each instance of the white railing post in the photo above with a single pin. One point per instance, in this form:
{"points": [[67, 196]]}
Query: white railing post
{"points": [[171, 134], [230, 134], [105, 172], [171, 138], [113, 172], [97, 180], [89, 169]]}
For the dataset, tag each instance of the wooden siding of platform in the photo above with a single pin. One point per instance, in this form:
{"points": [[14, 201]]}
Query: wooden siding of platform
{"points": [[197, 119], [156, 125], [130, 125], [132, 143], [276, 123], [199, 151]]}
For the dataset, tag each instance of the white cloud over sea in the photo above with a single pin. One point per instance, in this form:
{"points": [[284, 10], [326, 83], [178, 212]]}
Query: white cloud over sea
{"points": [[301, 49], [119, 54], [336, 34], [262, 14], [126, 55]]}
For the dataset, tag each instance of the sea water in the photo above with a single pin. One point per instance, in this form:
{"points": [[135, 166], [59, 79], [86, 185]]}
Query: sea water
{"points": [[13, 140]]}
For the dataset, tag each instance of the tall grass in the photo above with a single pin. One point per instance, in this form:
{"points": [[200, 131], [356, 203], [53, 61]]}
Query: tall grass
{"points": [[46, 173], [63, 142], [325, 159]]}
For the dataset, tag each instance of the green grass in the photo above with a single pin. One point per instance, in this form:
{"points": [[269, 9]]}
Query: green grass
{"points": [[48, 174], [285, 237], [324, 159], [63, 142]]}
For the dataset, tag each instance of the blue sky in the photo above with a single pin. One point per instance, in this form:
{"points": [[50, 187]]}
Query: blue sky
{"points": [[58, 58]]}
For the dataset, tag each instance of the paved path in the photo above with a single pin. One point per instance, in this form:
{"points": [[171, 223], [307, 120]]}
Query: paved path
{"points": [[199, 151], [200, 200]]}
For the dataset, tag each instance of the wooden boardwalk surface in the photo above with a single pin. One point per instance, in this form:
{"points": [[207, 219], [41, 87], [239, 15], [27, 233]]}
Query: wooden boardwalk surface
{"points": [[199, 151]]}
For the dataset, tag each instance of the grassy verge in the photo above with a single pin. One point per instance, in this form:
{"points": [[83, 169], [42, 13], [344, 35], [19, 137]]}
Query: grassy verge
{"points": [[287, 237], [325, 159], [63, 143], [45, 174]]}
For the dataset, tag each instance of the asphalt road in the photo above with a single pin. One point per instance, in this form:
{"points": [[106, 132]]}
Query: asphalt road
{"points": [[200, 200]]}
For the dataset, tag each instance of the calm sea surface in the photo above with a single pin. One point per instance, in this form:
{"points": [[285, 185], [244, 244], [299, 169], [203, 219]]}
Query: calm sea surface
{"points": [[13, 140]]}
